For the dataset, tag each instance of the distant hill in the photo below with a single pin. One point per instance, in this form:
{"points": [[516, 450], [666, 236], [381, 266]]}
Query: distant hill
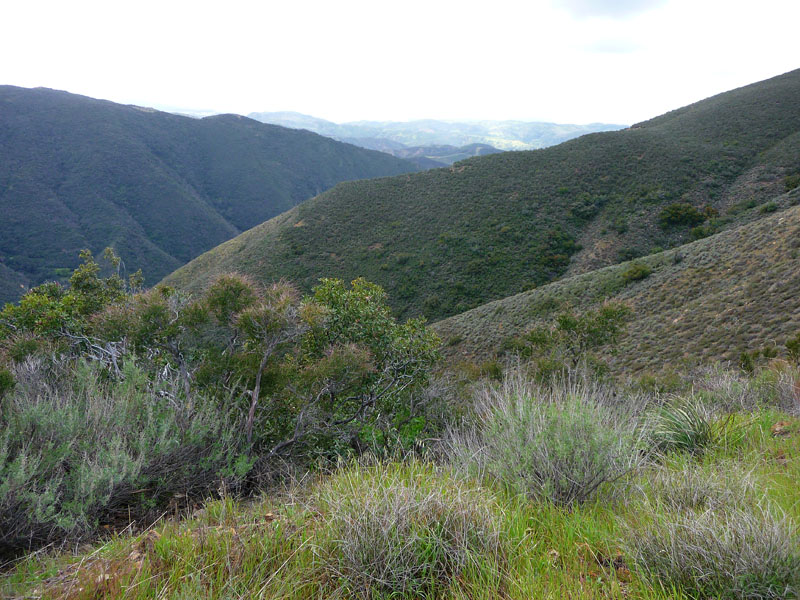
{"points": [[77, 172], [447, 240], [425, 157], [503, 135], [709, 300]]}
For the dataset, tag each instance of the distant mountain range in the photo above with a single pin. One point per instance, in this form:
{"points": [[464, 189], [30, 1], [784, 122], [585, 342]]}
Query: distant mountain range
{"points": [[76, 173], [448, 240], [503, 135], [425, 138]]}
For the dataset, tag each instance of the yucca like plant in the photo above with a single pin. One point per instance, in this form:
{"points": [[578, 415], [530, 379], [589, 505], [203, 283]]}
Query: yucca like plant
{"points": [[682, 427]]}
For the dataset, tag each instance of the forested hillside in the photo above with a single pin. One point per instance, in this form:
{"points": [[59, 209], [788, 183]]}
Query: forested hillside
{"points": [[447, 240], [82, 173]]}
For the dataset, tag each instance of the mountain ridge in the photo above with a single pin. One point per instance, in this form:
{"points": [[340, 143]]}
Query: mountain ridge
{"points": [[77, 172]]}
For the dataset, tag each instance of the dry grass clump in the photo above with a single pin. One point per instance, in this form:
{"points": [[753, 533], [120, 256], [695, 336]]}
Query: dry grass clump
{"points": [[561, 444], [748, 552], [693, 488], [729, 390], [403, 530]]}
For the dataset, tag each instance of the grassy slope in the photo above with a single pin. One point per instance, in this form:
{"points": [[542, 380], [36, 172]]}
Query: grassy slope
{"points": [[447, 240], [708, 300], [77, 172]]}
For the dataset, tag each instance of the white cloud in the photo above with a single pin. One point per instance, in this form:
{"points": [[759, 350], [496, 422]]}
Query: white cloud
{"points": [[582, 9]]}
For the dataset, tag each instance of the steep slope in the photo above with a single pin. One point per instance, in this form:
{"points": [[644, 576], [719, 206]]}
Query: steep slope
{"points": [[447, 240], [705, 301], [77, 172]]}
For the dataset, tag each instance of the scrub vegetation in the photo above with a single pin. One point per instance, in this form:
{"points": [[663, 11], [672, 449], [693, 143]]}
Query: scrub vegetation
{"points": [[629, 432]]}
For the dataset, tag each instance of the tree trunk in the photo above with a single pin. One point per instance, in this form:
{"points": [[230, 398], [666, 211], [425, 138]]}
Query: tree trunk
{"points": [[251, 415]]}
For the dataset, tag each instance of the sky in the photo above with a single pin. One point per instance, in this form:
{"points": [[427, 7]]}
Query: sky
{"points": [[565, 61]]}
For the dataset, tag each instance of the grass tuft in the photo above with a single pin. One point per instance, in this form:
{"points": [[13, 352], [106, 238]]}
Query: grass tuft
{"points": [[403, 530], [561, 445], [734, 552]]}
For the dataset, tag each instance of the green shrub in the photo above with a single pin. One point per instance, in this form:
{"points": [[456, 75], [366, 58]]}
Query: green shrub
{"points": [[75, 447], [635, 272], [561, 446], [400, 530], [793, 348], [791, 181], [681, 213], [736, 552], [769, 207], [7, 381], [492, 369]]}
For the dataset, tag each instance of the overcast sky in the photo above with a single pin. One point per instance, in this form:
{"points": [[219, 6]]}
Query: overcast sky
{"points": [[568, 61]]}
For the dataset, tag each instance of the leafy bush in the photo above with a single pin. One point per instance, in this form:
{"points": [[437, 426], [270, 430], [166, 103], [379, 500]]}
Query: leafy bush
{"points": [[561, 446], [732, 552], [791, 181], [636, 271], [680, 213], [573, 337], [7, 382], [403, 530]]}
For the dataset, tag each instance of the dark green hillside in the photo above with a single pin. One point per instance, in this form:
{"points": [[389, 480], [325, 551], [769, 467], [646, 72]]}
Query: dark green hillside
{"points": [[710, 300], [447, 240], [77, 172]]}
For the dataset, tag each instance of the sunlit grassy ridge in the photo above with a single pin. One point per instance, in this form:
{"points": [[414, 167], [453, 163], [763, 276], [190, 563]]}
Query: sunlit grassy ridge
{"points": [[448, 240], [736, 291]]}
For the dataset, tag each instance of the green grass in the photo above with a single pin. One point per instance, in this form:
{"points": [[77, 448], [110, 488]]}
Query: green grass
{"points": [[448, 240]]}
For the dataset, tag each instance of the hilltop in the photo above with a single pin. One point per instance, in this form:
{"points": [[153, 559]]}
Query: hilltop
{"points": [[706, 301], [76, 173], [448, 240]]}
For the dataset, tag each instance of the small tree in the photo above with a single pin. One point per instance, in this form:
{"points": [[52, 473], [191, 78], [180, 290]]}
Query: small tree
{"points": [[358, 368], [267, 325]]}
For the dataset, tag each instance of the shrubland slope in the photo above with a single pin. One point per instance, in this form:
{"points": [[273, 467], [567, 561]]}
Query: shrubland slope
{"points": [[447, 240], [706, 301], [76, 172]]}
